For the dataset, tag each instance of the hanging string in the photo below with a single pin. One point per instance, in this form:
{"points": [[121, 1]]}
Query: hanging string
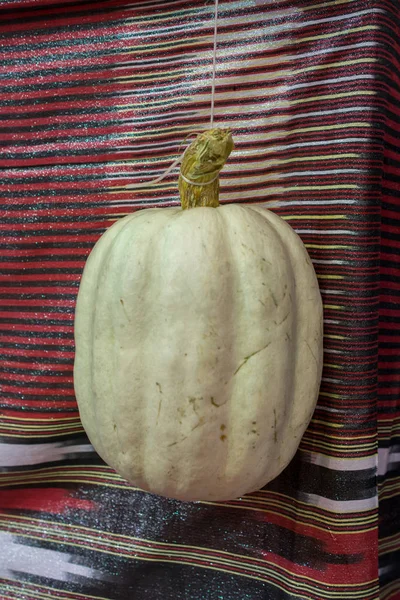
{"points": [[178, 160], [214, 64]]}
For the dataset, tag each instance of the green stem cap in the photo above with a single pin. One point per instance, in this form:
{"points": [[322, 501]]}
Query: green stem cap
{"points": [[201, 164]]}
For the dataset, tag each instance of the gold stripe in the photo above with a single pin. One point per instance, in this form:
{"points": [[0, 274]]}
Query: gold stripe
{"points": [[76, 419], [25, 584], [306, 217], [308, 188], [329, 424], [334, 337], [334, 97], [328, 246], [334, 65], [386, 591], [67, 426]]}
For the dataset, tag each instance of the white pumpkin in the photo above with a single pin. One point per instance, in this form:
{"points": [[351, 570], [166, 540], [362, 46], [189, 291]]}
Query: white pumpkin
{"points": [[198, 347]]}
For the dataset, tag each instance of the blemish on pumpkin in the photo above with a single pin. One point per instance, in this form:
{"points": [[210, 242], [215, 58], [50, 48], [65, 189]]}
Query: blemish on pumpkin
{"points": [[199, 424], [115, 427], [254, 422], [160, 402], [247, 248], [274, 300], [312, 353], [283, 320], [159, 410], [124, 309], [250, 356], [223, 427], [178, 442], [212, 400], [222, 438], [275, 432], [192, 401]]}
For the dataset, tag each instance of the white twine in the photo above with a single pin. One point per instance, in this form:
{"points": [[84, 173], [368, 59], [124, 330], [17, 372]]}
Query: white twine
{"points": [[134, 186], [214, 64], [199, 184]]}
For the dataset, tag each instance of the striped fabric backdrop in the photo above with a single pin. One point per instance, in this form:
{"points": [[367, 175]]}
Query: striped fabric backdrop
{"points": [[96, 95]]}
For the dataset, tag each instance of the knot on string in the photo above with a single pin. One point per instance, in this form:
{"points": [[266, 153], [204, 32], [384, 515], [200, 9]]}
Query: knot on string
{"points": [[176, 162]]}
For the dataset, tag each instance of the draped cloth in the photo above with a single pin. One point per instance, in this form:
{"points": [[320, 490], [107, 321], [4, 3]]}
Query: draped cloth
{"points": [[96, 95]]}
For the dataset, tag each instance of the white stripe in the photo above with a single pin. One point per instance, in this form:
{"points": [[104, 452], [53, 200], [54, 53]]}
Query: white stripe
{"points": [[331, 262], [327, 172], [19, 558], [335, 142], [328, 81], [346, 16], [301, 202], [336, 292], [387, 460], [340, 464], [387, 569], [14, 455], [342, 507], [334, 49]]}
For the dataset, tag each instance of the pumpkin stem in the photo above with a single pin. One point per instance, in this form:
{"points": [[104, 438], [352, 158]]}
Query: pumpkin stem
{"points": [[201, 164]]}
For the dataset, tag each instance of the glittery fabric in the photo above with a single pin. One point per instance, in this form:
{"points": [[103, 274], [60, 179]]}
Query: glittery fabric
{"points": [[94, 96]]}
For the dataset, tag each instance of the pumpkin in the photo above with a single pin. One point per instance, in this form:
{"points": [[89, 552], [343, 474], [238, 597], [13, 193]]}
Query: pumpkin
{"points": [[198, 341]]}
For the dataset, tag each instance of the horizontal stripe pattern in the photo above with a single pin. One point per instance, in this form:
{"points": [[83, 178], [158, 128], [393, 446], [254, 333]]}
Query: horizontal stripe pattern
{"points": [[95, 96], [389, 343]]}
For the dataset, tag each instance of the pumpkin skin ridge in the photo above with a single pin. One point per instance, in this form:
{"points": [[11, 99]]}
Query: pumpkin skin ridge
{"points": [[137, 215], [122, 457], [110, 238], [195, 394], [293, 292], [165, 487], [318, 307], [267, 344], [109, 233]]}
